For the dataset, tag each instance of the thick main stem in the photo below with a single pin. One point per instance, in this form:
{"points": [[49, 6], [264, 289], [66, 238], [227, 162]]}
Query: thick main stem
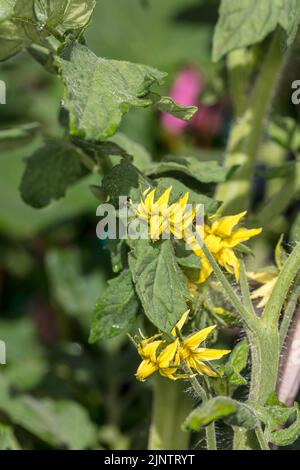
{"points": [[264, 370], [236, 193], [170, 408], [265, 362]]}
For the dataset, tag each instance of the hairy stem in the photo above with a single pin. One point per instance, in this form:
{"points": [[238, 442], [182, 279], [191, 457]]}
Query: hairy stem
{"points": [[261, 439], [286, 277], [289, 312], [250, 320], [246, 135]]}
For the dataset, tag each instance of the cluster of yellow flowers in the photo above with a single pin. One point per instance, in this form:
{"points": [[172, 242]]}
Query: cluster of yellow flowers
{"points": [[157, 355], [161, 217], [220, 237]]}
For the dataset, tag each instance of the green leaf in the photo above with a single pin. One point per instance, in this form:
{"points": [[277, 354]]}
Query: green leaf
{"points": [[165, 104], [27, 22], [98, 98], [290, 18], [236, 363], [12, 40], [281, 255], [7, 438], [17, 219], [187, 259], [239, 356], [65, 14], [232, 411], [275, 414], [124, 180], [6, 9], [25, 19], [179, 189], [59, 423], [49, 172], [115, 311], [27, 365], [75, 292], [285, 437], [20, 29], [243, 24], [205, 172], [160, 284]]}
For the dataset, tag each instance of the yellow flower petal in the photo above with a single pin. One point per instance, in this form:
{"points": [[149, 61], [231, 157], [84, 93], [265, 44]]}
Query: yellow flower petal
{"points": [[169, 373], [227, 258], [183, 201], [203, 369], [224, 226], [241, 235], [164, 198], [195, 339], [148, 350], [167, 356], [213, 243], [146, 368], [262, 277], [205, 270], [149, 200], [180, 323], [264, 292], [204, 354]]}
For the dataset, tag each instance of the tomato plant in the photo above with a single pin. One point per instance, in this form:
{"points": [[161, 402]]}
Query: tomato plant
{"points": [[201, 189]]}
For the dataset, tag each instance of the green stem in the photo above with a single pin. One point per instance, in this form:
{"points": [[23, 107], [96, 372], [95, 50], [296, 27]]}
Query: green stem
{"points": [[286, 277], [239, 66], [210, 431], [170, 408], [248, 317], [264, 370], [89, 163], [289, 313], [245, 289], [246, 136], [264, 362], [211, 440], [261, 439]]}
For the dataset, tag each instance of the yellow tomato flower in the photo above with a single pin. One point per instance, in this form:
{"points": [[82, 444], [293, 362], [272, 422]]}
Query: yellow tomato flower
{"points": [[192, 354], [221, 238], [168, 359], [268, 281], [162, 217], [166, 362]]}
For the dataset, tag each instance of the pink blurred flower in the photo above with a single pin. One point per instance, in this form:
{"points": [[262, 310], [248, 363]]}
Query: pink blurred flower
{"points": [[208, 120], [186, 90]]}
